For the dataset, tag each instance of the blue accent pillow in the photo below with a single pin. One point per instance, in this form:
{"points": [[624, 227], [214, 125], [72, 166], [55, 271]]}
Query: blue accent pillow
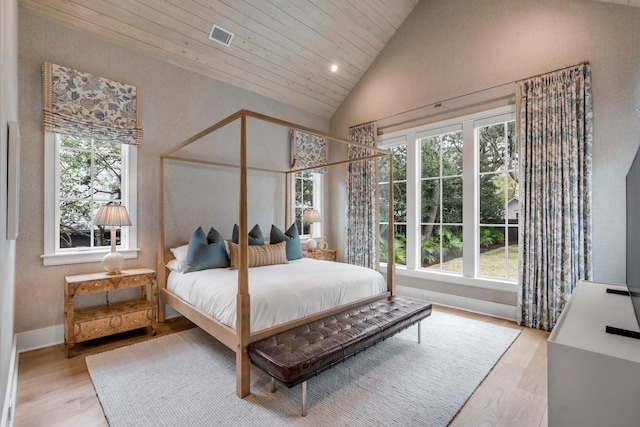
{"points": [[206, 251], [255, 235], [292, 237]]}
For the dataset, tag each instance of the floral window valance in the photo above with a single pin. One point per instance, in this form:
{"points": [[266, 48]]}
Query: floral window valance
{"points": [[308, 150], [88, 106]]}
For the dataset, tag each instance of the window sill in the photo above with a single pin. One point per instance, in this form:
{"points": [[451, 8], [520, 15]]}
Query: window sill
{"points": [[79, 257], [494, 284]]}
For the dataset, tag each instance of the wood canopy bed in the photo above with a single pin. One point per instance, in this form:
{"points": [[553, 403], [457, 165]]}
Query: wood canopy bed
{"points": [[239, 337]]}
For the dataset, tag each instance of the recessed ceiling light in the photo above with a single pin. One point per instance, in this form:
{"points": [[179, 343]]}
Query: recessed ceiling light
{"points": [[334, 68]]}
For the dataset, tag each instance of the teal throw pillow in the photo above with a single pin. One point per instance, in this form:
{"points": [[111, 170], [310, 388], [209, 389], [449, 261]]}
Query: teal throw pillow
{"points": [[206, 251], [292, 237], [255, 235]]}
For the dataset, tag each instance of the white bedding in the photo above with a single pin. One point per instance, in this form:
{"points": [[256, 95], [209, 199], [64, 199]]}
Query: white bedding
{"points": [[279, 293]]}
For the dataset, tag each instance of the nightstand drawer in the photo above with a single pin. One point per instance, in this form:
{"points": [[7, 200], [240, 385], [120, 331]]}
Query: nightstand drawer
{"points": [[115, 323], [111, 283], [92, 286]]}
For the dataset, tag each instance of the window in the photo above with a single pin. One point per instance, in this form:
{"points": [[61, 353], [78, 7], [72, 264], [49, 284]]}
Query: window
{"points": [[399, 203], [81, 175], [455, 197], [307, 195], [441, 201]]}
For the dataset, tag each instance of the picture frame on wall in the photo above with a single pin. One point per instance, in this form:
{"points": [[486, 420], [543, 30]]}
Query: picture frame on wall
{"points": [[13, 180]]}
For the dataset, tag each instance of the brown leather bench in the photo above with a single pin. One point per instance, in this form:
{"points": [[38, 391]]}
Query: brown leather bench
{"points": [[295, 355]]}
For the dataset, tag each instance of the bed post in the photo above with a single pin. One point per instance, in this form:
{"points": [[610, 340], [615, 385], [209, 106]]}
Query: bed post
{"points": [[391, 260], [243, 309], [161, 273]]}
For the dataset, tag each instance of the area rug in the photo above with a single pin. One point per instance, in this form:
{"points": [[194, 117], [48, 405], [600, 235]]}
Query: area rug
{"points": [[188, 379]]}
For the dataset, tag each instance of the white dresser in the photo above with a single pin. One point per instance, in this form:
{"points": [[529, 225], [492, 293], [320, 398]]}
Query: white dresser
{"points": [[594, 376]]}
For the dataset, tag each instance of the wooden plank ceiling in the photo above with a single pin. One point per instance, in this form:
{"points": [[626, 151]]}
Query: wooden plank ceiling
{"points": [[282, 49]]}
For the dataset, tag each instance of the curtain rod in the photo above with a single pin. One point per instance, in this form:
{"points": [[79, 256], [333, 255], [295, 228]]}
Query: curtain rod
{"points": [[439, 103]]}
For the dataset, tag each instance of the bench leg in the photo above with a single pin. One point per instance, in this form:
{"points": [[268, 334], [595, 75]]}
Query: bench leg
{"points": [[419, 332], [273, 385], [304, 399]]}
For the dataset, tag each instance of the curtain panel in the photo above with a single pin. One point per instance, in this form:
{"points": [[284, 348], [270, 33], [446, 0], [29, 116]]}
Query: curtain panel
{"points": [[555, 128], [88, 106], [362, 185], [308, 150]]}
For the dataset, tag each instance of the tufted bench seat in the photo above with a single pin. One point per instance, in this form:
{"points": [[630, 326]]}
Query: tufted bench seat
{"points": [[295, 355]]}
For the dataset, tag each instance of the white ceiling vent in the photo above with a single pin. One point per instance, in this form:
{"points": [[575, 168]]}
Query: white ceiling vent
{"points": [[221, 35]]}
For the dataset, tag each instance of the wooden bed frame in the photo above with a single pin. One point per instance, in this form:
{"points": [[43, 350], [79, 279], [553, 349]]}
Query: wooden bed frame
{"points": [[239, 339]]}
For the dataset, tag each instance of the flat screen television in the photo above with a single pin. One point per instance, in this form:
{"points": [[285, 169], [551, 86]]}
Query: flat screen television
{"points": [[633, 244]]}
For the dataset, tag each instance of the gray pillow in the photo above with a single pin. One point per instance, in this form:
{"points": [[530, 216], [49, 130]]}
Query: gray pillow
{"points": [[206, 251], [292, 237]]}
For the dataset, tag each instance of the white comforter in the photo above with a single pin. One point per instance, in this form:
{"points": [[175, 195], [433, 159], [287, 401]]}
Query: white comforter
{"points": [[279, 293]]}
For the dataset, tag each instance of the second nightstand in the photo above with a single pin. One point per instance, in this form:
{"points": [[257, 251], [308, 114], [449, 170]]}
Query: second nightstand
{"points": [[88, 323], [324, 254]]}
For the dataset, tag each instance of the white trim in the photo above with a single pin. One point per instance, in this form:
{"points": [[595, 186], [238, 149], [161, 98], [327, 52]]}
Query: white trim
{"points": [[80, 256], [40, 338], [455, 279], [129, 185], [488, 308], [9, 404]]}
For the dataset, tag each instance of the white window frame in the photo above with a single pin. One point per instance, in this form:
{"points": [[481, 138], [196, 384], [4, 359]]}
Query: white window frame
{"points": [[318, 199], [54, 256], [470, 194]]}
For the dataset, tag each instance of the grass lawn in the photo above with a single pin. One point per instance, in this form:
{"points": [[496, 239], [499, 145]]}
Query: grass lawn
{"points": [[492, 264]]}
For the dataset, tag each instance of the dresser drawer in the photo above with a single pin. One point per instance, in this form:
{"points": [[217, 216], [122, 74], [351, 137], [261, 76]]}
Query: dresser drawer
{"points": [[92, 286]]}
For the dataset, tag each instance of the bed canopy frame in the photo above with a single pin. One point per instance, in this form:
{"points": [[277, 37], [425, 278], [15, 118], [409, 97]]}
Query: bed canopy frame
{"points": [[239, 338]]}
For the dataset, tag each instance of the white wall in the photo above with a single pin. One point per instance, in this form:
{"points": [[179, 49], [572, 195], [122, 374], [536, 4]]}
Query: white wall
{"points": [[8, 112], [176, 104], [448, 48]]}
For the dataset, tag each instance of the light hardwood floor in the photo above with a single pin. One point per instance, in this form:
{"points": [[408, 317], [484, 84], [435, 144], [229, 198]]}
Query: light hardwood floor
{"points": [[56, 391]]}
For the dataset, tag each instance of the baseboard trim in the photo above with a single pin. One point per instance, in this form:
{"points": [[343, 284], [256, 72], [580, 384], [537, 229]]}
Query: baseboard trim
{"points": [[40, 338], [9, 404], [54, 335], [493, 309]]}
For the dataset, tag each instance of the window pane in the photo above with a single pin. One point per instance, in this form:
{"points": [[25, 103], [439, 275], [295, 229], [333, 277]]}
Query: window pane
{"points": [[399, 248], [492, 203], [400, 163], [493, 260], [68, 141], [451, 249], [492, 145], [383, 169], [75, 224], [75, 174], [452, 200], [107, 147], [430, 153], [384, 202], [399, 201], [430, 205], [451, 153], [108, 174], [430, 246]]}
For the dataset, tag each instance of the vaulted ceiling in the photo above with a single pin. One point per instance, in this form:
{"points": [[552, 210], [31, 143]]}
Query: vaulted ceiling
{"points": [[282, 49]]}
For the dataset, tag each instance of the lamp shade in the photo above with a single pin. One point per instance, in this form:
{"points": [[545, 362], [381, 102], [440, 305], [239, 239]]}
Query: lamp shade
{"points": [[311, 215], [112, 215]]}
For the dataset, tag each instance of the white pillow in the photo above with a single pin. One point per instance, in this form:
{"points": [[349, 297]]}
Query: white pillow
{"points": [[174, 265], [180, 263]]}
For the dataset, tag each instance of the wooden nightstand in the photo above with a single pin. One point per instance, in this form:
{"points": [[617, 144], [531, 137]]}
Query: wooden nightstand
{"points": [[94, 322], [325, 254]]}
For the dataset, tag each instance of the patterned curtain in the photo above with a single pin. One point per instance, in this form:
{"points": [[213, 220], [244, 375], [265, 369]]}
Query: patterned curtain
{"points": [[555, 121], [362, 183], [87, 106], [308, 150]]}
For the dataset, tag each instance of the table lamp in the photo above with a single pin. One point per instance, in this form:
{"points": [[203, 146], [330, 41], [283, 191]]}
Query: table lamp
{"points": [[311, 216], [113, 216]]}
